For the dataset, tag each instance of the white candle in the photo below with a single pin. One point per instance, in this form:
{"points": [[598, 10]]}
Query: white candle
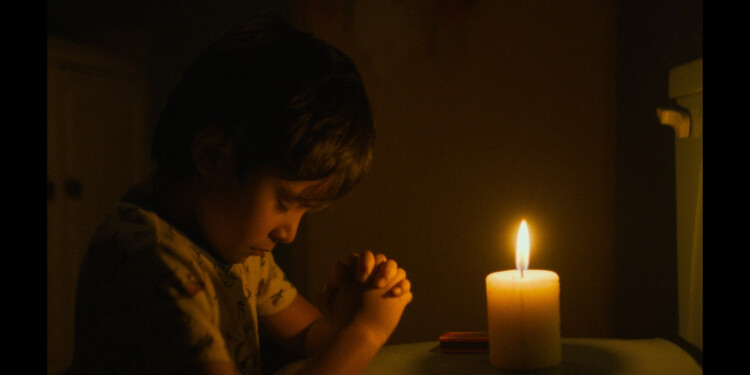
{"points": [[523, 311]]}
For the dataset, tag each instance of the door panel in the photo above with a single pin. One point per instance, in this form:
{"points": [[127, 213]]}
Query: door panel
{"points": [[95, 151]]}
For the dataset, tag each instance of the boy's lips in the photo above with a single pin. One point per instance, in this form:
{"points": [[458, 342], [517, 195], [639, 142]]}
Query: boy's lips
{"points": [[260, 249]]}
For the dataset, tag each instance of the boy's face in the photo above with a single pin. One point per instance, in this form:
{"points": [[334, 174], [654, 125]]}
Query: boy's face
{"points": [[248, 217]]}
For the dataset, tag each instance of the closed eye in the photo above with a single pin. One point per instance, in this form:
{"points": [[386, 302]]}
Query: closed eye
{"points": [[280, 206]]}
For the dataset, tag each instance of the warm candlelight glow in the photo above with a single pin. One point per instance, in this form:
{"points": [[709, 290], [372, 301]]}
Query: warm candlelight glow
{"points": [[523, 314], [522, 248]]}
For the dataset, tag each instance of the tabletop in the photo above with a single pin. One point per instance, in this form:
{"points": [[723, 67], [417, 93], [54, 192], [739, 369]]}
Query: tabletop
{"points": [[580, 356]]}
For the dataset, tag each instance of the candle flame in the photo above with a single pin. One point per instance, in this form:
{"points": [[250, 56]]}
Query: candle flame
{"points": [[522, 248]]}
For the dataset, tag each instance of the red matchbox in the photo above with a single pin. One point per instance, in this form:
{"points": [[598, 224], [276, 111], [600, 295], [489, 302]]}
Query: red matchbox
{"points": [[464, 342]]}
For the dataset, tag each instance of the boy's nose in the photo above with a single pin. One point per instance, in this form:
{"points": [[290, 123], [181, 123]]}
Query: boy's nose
{"points": [[286, 232]]}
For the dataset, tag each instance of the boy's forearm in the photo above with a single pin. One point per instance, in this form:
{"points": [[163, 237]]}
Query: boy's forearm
{"points": [[318, 336], [344, 351]]}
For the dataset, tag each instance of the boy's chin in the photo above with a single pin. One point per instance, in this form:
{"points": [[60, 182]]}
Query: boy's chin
{"points": [[257, 252], [241, 257]]}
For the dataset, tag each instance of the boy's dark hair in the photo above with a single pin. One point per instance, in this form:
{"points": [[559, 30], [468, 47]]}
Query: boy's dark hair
{"points": [[285, 99]]}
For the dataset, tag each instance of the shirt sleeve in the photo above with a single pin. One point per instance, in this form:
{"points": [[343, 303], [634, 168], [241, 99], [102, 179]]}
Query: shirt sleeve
{"points": [[275, 291]]}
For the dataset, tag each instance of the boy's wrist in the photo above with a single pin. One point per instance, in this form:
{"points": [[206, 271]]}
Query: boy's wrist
{"points": [[349, 351], [366, 331]]}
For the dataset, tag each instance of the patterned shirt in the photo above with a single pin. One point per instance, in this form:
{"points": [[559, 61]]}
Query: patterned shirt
{"points": [[152, 301]]}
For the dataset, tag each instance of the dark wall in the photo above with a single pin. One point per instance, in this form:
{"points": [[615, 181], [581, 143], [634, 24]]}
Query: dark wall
{"points": [[654, 36], [164, 37], [488, 112]]}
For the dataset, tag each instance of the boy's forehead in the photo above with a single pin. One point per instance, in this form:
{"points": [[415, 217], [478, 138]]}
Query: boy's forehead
{"points": [[311, 193], [307, 192], [292, 188]]}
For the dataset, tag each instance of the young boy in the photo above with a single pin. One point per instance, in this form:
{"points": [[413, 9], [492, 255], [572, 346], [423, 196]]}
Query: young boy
{"points": [[268, 124]]}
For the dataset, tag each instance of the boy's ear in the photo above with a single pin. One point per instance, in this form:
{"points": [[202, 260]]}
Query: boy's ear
{"points": [[211, 149]]}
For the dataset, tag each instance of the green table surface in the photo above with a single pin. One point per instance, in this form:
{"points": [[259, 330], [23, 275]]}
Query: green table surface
{"points": [[580, 356]]}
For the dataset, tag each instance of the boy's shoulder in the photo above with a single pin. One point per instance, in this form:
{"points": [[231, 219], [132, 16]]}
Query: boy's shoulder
{"points": [[132, 233], [129, 227]]}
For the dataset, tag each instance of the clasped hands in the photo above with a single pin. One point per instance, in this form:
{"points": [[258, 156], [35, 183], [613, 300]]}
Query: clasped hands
{"points": [[367, 288]]}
